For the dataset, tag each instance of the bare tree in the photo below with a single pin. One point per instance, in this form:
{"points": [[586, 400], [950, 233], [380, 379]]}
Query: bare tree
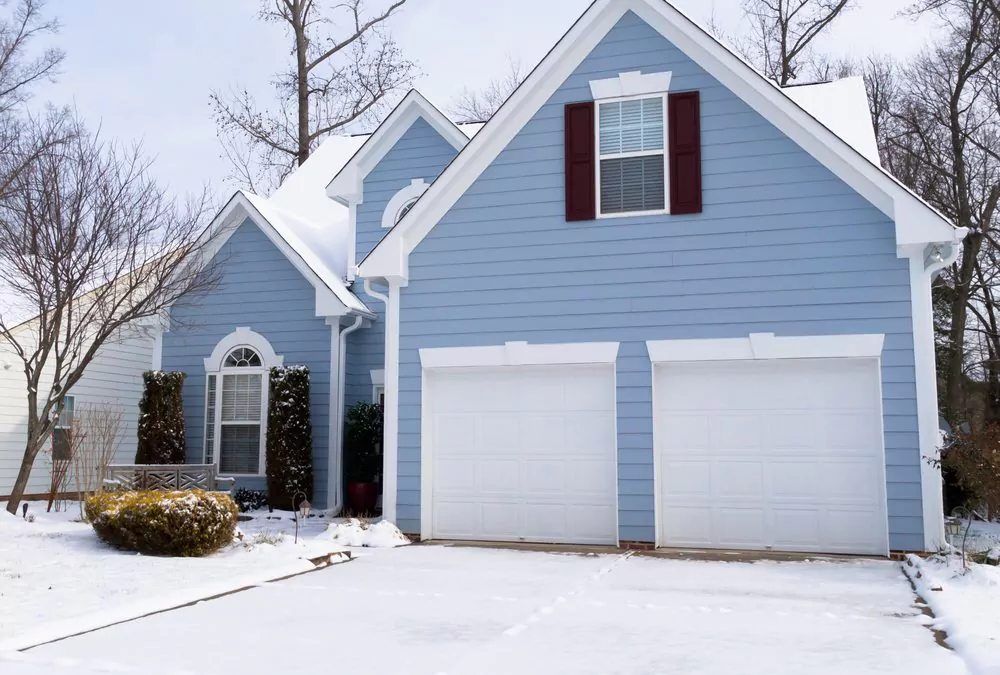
{"points": [[782, 36], [96, 431], [345, 69], [18, 70], [480, 106], [943, 140], [95, 248]]}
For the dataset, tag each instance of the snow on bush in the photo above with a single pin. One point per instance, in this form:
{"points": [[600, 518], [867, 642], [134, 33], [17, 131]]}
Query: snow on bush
{"points": [[354, 532], [161, 419], [185, 523], [289, 437]]}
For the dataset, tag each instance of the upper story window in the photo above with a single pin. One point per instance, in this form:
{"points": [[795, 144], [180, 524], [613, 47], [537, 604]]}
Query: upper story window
{"points": [[631, 154], [406, 209], [243, 357], [402, 202]]}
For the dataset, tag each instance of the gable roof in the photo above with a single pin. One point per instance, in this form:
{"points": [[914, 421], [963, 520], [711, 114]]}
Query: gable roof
{"points": [[916, 222], [348, 184], [333, 298]]}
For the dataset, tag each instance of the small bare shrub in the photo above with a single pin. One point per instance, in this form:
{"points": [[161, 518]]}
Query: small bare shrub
{"points": [[96, 431]]}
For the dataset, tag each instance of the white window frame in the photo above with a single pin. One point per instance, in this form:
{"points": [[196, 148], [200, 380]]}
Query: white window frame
{"points": [[215, 365], [58, 426], [402, 199], [665, 152]]}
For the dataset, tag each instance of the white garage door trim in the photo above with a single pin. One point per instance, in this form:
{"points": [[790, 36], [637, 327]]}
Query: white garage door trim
{"points": [[508, 354], [761, 347]]}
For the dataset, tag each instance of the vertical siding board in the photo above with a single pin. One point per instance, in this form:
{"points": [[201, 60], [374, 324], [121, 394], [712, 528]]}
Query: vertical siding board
{"points": [[786, 241], [260, 289]]}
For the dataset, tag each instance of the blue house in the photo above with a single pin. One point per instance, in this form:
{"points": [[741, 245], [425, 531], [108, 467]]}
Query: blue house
{"points": [[655, 301]]}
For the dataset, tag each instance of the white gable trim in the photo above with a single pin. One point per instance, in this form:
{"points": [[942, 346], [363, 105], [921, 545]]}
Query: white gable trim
{"points": [[347, 186], [414, 190], [233, 214], [766, 346], [632, 83], [915, 221]]}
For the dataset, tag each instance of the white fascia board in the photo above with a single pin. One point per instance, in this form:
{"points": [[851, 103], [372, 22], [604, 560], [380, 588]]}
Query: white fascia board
{"points": [[348, 184], [766, 346], [520, 354], [915, 219]]}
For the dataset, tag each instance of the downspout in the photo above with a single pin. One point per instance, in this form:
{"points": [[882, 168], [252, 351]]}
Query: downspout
{"points": [[338, 503], [381, 297]]}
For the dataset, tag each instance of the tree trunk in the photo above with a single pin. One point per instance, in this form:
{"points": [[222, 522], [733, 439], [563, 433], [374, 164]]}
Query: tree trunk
{"points": [[23, 474], [302, 84], [955, 386]]}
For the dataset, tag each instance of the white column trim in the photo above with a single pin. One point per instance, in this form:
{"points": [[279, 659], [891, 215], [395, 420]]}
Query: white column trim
{"points": [[765, 346], [390, 451], [520, 354]]}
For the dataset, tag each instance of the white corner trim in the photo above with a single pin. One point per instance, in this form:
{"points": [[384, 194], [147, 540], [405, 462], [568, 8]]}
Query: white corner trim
{"points": [[391, 215], [157, 360], [520, 354], [390, 433], [632, 83], [243, 337], [378, 377], [765, 346]]}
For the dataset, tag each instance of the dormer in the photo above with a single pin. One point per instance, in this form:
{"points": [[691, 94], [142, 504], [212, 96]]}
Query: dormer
{"points": [[392, 169]]}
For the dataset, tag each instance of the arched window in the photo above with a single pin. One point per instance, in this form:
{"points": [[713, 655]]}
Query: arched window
{"points": [[402, 202], [406, 209], [236, 402]]}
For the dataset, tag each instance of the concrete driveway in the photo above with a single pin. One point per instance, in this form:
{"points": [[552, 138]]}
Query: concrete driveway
{"points": [[431, 610]]}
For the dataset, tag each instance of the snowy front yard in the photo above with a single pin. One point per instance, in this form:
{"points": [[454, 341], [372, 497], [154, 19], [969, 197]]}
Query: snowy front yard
{"points": [[57, 579], [432, 610]]}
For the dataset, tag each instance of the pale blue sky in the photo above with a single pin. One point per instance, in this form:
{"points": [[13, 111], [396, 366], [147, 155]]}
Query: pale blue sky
{"points": [[143, 69]]}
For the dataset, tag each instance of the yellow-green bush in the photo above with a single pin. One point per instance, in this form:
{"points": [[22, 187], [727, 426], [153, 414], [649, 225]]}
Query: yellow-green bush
{"points": [[182, 523]]}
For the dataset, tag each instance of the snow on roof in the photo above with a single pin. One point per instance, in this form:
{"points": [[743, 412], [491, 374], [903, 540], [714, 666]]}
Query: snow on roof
{"points": [[842, 107], [294, 230]]}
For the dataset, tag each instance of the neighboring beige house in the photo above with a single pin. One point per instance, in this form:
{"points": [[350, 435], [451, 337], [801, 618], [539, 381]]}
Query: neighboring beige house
{"points": [[115, 376]]}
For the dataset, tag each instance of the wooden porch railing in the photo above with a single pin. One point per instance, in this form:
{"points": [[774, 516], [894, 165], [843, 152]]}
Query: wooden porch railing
{"points": [[166, 477]]}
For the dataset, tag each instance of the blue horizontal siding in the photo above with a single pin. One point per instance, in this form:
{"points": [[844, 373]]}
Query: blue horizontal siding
{"points": [[421, 152], [262, 290], [782, 246]]}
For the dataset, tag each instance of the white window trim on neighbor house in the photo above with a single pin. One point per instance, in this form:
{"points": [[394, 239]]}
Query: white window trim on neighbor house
{"points": [[402, 202], [663, 152], [378, 386], [64, 422], [215, 367]]}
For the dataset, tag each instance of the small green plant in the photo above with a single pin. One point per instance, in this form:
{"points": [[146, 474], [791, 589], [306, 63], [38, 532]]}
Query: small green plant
{"points": [[249, 500], [363, 443], [289, 437], [186, 523], [161, 419]]}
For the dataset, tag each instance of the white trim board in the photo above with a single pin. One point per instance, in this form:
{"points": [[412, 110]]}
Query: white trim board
{"points": [[520, 354], [916, 221], [633, 83], [765, 346]]}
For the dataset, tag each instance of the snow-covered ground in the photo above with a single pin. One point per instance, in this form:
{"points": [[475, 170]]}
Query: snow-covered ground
{"points": [[966, 604], [57, 579], [432, 610]]}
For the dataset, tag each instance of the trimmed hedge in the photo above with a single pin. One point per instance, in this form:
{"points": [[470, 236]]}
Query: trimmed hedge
{"points": [[249, 500], [186, 523], [289, 437], [363, 443], [161, 419]]}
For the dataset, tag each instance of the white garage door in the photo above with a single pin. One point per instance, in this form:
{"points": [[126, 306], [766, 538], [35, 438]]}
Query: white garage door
{"points": [[523, 454], [779, 455]]}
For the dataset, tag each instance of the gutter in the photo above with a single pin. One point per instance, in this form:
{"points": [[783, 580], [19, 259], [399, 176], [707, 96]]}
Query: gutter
{"points": [[338, 499]]}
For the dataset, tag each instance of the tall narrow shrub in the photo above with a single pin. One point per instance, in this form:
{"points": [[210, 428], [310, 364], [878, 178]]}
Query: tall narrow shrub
{"points": [[289, 437], [161, 419]]}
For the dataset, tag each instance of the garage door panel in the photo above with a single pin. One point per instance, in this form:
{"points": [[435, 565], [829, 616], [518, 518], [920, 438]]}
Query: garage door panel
{"points": [[778, 454], [543, 448]]}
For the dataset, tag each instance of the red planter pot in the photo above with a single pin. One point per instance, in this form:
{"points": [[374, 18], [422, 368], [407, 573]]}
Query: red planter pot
{"points": [[362, 498]]}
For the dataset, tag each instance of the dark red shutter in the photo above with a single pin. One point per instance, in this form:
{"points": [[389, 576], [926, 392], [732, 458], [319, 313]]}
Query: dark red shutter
{"points": [[581, 172], [684, 110]]}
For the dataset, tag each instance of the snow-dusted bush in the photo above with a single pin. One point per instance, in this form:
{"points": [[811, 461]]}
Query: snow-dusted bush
{"points": [[289, 436], [161, 419], [184, 523], [249, 500], [363, 442]]}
